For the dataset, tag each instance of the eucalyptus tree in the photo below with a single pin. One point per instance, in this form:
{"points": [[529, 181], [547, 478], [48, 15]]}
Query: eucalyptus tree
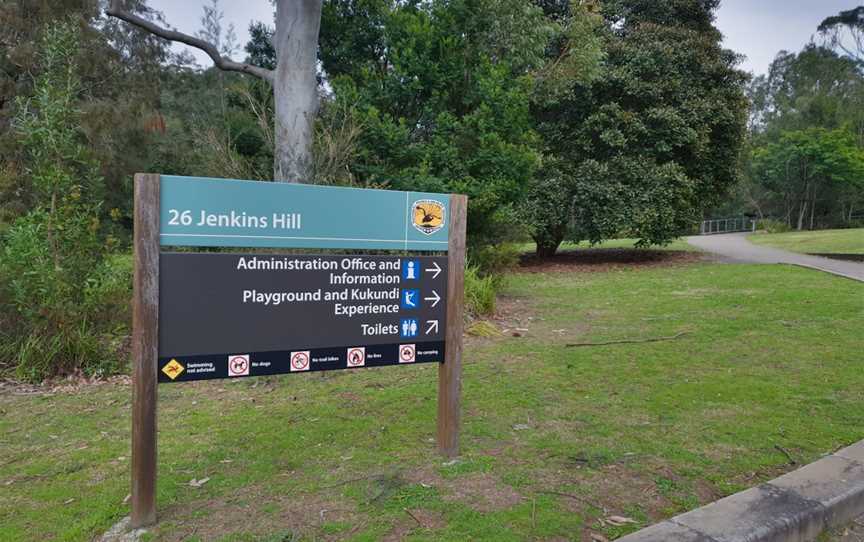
{"points": [[845, 31], [293, 79]]}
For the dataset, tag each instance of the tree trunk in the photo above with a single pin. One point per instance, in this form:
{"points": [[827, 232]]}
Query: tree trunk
{"points": [[812, 207], [547, 245], [295, 88], [802, 212], [295, 83]]}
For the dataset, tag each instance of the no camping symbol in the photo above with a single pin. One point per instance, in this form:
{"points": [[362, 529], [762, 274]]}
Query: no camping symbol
{"points": [[407, 353], [300, 361], [356, 357]]}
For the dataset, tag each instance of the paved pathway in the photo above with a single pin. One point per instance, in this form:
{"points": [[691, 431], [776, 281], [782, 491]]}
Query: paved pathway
{"points": [[735, 247]]}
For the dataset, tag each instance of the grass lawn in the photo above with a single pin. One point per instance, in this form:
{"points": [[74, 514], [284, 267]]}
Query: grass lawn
{"points": [[818, 242], [556, 440]]}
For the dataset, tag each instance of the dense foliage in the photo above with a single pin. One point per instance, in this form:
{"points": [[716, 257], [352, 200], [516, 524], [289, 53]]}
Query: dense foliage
{"points": [[642, 148], [53, 267], [804, 163]]}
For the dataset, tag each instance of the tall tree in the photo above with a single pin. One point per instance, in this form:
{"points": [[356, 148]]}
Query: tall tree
{"points": [[801, 166], [642, 149], [441, 90], [845, 31], [294, 82], [815, 87], [115, 104]]}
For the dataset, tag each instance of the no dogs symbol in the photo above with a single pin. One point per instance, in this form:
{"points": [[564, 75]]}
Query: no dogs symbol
{"points": [[356, 357], [407, 353], [300, 361], [238, 365]]}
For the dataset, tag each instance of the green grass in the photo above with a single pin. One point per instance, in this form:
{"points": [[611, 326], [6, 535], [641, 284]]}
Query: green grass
{"points": [[819, 242], [554, 438]]}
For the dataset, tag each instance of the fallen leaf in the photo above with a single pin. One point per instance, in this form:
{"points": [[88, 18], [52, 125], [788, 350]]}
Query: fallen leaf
{"points": [[598, 538], [68, 501], [198, 483], [520, 427], [126, 498]]}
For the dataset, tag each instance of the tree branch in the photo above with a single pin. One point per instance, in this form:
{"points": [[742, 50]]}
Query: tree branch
{"points": [[221, 62], [630, 341]]}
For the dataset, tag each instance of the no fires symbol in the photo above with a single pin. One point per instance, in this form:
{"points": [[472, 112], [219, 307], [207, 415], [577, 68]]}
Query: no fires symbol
{"points": [[300, 361], [356, 357]]}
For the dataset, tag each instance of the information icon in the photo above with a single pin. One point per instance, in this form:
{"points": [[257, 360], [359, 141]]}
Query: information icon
{"points": [[410, 269]]}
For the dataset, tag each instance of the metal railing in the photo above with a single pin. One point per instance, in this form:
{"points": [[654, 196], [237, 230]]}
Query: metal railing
{"points": [[727, 225]]}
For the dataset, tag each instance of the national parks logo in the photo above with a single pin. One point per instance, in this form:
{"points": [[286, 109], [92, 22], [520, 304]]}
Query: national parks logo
{"points": [[428, 216]]}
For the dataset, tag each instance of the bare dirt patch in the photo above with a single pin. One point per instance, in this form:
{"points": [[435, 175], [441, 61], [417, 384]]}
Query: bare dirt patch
{"points": [[211, 519], [418, 518], [613, 488], [481, 491], [606, 259]]}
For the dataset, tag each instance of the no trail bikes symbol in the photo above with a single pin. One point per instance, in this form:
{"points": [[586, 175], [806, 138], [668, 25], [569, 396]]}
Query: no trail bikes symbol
{"points": [[300, 361], [289, 313]]}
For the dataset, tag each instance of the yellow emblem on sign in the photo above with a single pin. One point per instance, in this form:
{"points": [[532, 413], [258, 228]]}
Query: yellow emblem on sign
{"points": [[173, 369], [428, 216]]}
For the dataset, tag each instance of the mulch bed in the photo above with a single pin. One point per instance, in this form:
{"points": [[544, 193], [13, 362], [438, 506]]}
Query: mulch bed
{"points": [[606, 259]]}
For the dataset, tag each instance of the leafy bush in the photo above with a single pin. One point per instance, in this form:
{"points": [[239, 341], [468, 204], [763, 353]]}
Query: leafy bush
{"points": [[480, 292], [773, 226], [495, 260], [53, 271]]}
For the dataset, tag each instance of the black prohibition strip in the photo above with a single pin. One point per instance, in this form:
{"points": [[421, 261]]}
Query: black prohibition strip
{"points": [[246, 364]]}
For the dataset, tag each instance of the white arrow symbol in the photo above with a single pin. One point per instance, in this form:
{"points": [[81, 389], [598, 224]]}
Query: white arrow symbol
{"points": [[434, 299], [433, 327], [436, 270]]}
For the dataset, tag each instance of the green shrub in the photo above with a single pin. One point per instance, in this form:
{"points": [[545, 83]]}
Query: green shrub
{"points": [[480, 292], [108, 293], [60, 295], [495, 260], [773, 226]]}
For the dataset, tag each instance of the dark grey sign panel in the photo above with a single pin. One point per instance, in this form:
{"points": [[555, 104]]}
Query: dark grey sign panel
{"points": [[224, 315]]}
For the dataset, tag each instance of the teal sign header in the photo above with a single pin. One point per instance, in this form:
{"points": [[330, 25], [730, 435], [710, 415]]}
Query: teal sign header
{"points": [[228, 213]]}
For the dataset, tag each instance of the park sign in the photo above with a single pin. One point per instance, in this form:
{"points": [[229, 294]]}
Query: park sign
{"points": [[226, 213], [237, 315], [250, 309]]}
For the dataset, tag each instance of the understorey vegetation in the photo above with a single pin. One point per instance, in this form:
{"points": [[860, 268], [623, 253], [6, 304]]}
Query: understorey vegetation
{"points": [[65, 298]]}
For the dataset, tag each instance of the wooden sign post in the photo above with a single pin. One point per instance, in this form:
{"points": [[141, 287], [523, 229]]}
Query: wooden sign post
{"points": [[145, 345], [404, 322], [450, 372]]}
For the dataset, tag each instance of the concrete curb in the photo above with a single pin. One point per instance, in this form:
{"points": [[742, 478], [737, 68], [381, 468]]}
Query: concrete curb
{"points": [[794, 507], [830, 271]]}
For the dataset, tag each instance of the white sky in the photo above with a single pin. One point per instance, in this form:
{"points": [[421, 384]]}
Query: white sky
{"points": [[756, 28]]}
